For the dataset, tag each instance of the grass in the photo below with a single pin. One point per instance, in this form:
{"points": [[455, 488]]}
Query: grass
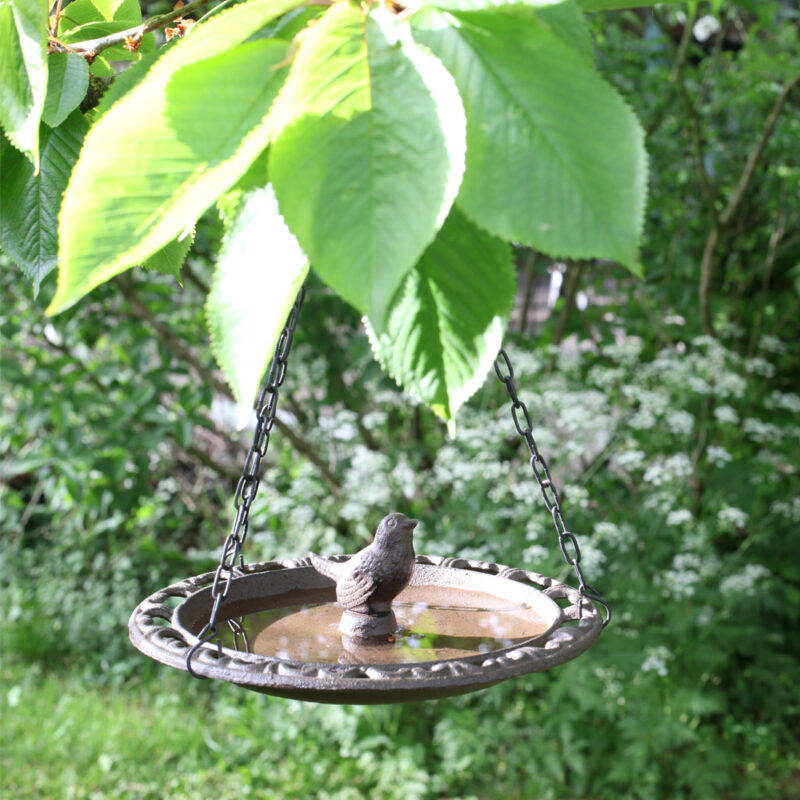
{"points": [[66, 738]]}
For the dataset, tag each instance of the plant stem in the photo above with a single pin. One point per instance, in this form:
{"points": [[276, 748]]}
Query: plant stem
{"points": [[92, 47], [530, 288], [572, 280]]}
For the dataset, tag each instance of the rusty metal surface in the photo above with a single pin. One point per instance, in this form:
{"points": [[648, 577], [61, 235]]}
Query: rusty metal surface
{"points": [[165, 633]]}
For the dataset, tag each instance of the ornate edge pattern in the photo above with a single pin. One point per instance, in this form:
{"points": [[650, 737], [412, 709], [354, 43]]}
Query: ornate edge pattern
{"points": [[152, 631]]}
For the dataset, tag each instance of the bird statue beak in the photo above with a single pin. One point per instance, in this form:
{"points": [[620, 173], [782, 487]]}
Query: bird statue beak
{"points": [[413, 523]]}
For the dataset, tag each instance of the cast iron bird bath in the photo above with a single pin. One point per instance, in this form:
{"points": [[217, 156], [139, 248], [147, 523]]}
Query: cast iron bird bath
{"points": [[446, 626]]}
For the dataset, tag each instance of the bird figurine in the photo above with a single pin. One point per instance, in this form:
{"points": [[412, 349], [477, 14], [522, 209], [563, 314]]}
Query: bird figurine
{"points": [[369, 581]]}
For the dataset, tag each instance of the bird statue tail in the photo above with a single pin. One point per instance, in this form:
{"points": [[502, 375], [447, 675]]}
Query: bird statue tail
{"points": [[327, 568]]}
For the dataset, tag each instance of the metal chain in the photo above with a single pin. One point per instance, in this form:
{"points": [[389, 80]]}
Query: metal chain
{"points": [[247, 487], [567, 542]]}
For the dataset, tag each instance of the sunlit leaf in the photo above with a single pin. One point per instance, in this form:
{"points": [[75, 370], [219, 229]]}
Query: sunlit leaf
{"points": [[555, 158], [446, 321], [259, 271], [67, 80], [29, 203], [23, 72], [165, 151], [370, 154]]}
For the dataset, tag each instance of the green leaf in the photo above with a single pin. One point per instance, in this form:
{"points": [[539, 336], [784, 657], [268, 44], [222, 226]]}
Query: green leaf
{"points": [[555, 158], [164, 152], [126, 80], [83, 20], [23, 72], [29, 203], [67, 81], [370, 153], [259, 271], [569, 23], [446, 322], [564, 17], [169, 259], [107, 7]]}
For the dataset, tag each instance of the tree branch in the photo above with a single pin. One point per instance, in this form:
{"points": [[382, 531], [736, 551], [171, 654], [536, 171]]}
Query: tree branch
{"points": [[757, 152], [182, 351], [677, 77], [93, 47], [734, 205]]}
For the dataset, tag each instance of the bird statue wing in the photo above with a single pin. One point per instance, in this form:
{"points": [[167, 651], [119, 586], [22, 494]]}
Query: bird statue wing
{"points": [[330, 569], [354, 589]]}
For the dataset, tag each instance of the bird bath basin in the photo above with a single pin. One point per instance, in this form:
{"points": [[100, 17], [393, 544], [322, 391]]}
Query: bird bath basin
{"points": [[435, 623], [463, 625]]}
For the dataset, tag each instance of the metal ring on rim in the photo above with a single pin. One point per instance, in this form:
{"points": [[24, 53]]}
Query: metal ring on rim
{"points": [[154, 631]]}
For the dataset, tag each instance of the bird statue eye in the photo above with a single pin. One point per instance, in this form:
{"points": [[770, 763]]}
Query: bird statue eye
{"points": [[391, 523]]}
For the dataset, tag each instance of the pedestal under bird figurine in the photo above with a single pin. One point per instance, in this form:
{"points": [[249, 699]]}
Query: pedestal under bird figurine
{"points": [[367, 583]]}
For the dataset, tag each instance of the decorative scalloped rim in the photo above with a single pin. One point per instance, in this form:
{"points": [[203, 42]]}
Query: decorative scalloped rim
{"points": [[168, 644]]}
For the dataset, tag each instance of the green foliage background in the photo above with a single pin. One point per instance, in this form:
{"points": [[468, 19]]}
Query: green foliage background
{"points": [[677, 452]]}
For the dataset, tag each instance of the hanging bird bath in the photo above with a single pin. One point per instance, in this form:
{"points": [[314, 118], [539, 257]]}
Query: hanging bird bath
{"points": [[457, 625]]}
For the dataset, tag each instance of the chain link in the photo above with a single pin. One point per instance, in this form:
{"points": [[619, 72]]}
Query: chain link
{"points": [[567, 542], [232, 559]]}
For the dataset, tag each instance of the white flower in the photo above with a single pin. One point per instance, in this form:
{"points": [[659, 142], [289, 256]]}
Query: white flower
{"points": [[607, 533], [656, 660], [706, 27], [729, 384], [789, 402], [762, 431], [718, 456], [705, 616], [679, 517], [680, 423], [642, 420], [726, 414], [772, 344], [760, 366], [698, 385], [535, 554], [630, 459], [744, 582], [675, 467], [790, 510], [577, 495], [735, 516]]}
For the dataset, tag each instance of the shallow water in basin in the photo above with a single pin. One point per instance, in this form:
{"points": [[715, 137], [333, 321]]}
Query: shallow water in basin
{"points": [[445, 624]]}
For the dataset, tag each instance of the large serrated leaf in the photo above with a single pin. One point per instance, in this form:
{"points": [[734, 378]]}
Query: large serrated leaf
{"points": [[67, 81], [555, 158], [564, 17], [23, 72], [165, 151], [370, 154], [169, 259], [446, 322], [259, 271], [29, 203]]}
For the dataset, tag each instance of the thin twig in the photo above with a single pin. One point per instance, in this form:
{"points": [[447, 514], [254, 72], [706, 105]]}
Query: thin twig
{"points": [[678, 78], [92, 47], [757, 152], [140, 310], [192, 451], [734, 205]]}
